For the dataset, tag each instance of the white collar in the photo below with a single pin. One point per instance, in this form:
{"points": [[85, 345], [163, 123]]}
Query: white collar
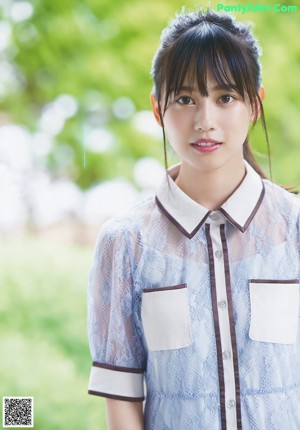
{"points": [[189, 215]]}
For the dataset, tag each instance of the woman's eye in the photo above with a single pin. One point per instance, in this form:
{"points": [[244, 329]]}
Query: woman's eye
{"points": [[227, 98], [185, 100]]}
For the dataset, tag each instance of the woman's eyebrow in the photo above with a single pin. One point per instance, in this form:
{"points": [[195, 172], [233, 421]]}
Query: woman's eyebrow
{"points": [[225, 87], [217, 87], [186, 88]]}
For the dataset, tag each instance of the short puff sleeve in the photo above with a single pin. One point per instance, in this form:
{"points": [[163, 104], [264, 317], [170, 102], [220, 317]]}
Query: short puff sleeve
{"points": [[116, 349], [298, 225]]}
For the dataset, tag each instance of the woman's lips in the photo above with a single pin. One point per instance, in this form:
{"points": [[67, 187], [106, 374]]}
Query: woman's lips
{"points": [[206, 145]]}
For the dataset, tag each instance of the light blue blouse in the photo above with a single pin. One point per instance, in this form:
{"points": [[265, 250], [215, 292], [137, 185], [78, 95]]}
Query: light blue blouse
{"points": [[198, 311]]}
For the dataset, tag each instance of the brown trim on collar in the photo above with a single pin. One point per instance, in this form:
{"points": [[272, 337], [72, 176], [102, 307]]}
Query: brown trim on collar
{"points": [[217, 327], [232, 329], [246, 225], [117, 368], [176, 223], [239, 209], [115, 397]]}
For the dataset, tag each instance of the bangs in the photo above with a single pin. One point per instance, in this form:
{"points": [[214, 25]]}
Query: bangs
{"points": [[203, 45], [203, 51]]}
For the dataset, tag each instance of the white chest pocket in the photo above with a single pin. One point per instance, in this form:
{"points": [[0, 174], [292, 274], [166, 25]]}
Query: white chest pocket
{"points": [[274, 311], [166, 319]]}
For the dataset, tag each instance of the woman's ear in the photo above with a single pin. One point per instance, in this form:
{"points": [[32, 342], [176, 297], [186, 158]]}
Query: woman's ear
{"points": [[261, 93], [155, 109]]}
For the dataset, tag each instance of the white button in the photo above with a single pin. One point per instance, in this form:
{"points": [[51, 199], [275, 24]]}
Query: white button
{"points": [[230, 404], [226, 355], [214, 216], [222, 304], [219, 254]]}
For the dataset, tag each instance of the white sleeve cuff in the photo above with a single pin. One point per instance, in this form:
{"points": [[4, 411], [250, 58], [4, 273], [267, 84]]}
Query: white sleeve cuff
{"points": [[116, 382]]}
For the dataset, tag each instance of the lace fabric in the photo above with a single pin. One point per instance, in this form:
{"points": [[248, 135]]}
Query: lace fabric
{"points": [[143, 249]]}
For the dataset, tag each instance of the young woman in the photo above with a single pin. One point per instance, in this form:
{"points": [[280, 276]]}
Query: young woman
{"points": [[196, 291]]}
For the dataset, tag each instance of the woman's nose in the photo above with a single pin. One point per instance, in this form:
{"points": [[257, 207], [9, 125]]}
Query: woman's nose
{"points": [[205, 115]]}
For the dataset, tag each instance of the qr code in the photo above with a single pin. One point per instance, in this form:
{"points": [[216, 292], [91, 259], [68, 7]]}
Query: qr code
{"points": [[17, 412]]}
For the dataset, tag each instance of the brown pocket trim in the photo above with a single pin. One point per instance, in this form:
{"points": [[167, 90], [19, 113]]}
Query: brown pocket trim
{"points": [[174, 287], [274, 281]]}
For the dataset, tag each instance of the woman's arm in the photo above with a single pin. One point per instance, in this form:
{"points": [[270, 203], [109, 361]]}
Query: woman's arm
{"points": [[122, 415]]}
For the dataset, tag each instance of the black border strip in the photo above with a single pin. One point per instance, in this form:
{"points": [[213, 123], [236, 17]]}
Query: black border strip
{"points": [[232, 329], [217, 327], [112, 396]]}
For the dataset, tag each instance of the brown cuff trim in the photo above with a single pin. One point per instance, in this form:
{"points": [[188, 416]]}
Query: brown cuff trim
{"points": [[117, 368], [112, 396], [274, 281], [175, 287]]}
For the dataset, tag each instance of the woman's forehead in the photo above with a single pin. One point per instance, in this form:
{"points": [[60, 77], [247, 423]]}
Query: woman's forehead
{"points": [[194, 82], [210, 79]]}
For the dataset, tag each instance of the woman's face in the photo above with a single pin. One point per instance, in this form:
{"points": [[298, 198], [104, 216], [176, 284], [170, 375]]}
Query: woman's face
{"points": [[207, 132]]}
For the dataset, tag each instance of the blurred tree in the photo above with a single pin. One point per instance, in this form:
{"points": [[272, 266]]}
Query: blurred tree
{"points": [[100, 53]]}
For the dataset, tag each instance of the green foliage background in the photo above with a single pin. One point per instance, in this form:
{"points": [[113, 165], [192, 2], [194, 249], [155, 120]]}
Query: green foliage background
{"points": [[98, 51], [44, 350]]}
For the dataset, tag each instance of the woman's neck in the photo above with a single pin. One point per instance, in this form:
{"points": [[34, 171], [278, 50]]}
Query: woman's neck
{"points": [[210, 188]]}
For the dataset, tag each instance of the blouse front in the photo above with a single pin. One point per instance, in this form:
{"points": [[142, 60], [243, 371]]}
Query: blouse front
{"points": [[197, 311]]}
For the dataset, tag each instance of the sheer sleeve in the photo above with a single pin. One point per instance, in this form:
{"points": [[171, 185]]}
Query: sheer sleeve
{"points": [[117, 352], [298, 232]]}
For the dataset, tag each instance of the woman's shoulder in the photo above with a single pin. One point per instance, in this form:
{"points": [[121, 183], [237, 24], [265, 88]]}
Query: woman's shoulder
{"points": [[132, 220], [285, 201]]}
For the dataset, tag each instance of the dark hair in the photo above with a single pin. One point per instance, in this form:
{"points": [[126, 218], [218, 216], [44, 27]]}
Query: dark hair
{"points": [[196, 43]]}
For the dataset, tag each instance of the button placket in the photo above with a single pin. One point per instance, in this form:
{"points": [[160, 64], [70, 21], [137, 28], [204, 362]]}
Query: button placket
{"points": [[230, 404], [222, 304], [214, 216], [226, 355], [224, 325]]}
